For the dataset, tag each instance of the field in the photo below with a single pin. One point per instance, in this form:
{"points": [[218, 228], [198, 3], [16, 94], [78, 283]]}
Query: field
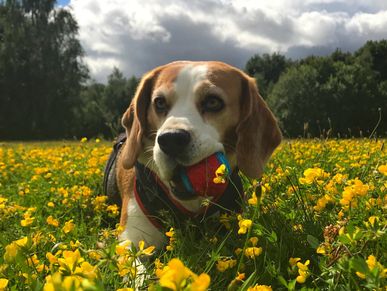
{"points": [[316, 220]]}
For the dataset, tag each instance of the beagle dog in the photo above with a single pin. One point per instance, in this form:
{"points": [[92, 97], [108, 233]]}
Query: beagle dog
{"points": [[182, 113]]}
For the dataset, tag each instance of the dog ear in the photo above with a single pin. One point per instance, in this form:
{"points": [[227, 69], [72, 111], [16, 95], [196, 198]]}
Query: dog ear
{"points": [[134, 120], [258, 132]]}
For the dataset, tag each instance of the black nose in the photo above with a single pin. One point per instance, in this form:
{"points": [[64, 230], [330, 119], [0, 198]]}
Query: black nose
{"points": [[173, 142]]}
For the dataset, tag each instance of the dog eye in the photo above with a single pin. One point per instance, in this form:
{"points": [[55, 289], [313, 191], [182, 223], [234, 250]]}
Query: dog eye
{"points": [[212, 103], [160, 104]]}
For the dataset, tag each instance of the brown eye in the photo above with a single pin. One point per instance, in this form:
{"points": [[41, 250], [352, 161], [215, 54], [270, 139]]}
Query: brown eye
{"points": [[160, 104], [212, 103]]}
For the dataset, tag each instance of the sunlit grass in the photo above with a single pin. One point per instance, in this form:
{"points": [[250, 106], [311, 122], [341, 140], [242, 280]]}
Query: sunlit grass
{"points": [[315, 220]]}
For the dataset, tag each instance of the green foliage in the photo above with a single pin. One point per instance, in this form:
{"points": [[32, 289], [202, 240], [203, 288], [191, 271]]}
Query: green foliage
{"points": [[40, 69], [340, 94], [102, 106], [266, 69]]}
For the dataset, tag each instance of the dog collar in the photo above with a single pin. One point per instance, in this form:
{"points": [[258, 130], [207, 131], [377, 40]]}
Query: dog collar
{"points": [[155, 199]]}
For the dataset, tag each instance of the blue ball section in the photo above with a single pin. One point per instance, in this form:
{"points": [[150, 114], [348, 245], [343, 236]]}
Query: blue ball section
{"points": [[222, 159], [187, 183]]}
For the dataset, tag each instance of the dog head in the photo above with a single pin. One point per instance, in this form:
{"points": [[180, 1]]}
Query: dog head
{"points": [[185, 111]]}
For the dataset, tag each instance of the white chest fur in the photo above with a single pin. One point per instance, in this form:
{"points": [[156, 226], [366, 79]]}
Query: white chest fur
{"points": [[138, 227]]}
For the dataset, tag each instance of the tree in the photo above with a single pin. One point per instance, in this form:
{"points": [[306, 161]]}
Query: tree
{"points": [[266, 69], [294, 100], [102, 106], [332, 93], [41, 71], [374, 55]]}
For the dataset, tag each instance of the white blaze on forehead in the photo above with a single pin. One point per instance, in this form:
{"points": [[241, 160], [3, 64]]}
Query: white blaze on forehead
{"points": [[188, 78], [184, 113]]}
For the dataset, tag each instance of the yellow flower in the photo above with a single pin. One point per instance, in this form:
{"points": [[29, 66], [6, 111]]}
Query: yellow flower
{"points": [[360, 275], [176, 276], [240, 276], [372, 264], [123, 247], [22, 242], [75, 245], [95, 255], [322, 202], [52, 221], [253, 200], [13, 248], [253, 252], [225, 264], [303, 272], [70, 260], [83, 139], [293, 261], [355, 188], [201, 283], [126, 266], [172, 239], [220, 174], [28, 220], [113, 209], [260, 288], [51, 258], [68, 227], [51, 204], [244, 225], [372, 220], [321, 249], [3, 284], [254, 241], [312, 175], [86, 270], [148, 251], [237, 281], [383, 169]]}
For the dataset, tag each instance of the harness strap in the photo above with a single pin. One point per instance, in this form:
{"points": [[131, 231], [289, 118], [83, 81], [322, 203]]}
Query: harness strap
{"points": [[155, 200], [110, 187]]}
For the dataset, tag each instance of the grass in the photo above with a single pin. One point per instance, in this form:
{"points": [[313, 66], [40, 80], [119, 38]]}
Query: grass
{"points": [[316, 221]]}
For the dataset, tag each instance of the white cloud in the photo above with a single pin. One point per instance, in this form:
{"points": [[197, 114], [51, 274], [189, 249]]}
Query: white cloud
{"points": [[138, 35]]}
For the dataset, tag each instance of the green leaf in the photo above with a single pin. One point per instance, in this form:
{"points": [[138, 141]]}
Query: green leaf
{"points": [[283, 281], [273, 237], [359, 265], [313, 241], [344, 239]]}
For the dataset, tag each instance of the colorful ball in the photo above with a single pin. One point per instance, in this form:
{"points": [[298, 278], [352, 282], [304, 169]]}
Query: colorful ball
{"points": [[209, 177]]}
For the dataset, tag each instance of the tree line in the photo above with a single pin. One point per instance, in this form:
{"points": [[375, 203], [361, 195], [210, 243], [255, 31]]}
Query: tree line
{"points": [[343, 94], [46, 91]]}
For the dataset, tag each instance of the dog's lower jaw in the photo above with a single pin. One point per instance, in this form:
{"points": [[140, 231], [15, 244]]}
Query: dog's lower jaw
{"points": [[165, 166], [138, 227]]}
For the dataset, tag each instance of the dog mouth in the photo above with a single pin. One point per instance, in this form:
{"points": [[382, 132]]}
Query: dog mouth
{"points": [[177, 185]]}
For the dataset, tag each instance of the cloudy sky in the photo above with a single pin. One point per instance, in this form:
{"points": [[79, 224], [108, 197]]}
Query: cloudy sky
{"points": [[137, 35]]}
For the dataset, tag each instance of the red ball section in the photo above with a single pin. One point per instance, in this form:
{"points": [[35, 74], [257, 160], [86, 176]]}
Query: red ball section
{"points": [[209, 177]]}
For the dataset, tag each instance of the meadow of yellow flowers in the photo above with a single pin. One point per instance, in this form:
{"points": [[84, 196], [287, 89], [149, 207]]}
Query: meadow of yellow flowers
{"points": [[316, 220]]}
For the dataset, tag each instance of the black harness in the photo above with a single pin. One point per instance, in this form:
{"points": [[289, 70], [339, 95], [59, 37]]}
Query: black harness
{"points": [[155, 200]]}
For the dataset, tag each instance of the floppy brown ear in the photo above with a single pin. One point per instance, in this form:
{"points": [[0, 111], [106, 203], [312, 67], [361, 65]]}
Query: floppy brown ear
{"points": [[134, 120], [258, 132]]}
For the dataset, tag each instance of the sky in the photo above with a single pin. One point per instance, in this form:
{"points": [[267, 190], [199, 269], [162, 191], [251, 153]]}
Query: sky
{"points": [[138, 35]]}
